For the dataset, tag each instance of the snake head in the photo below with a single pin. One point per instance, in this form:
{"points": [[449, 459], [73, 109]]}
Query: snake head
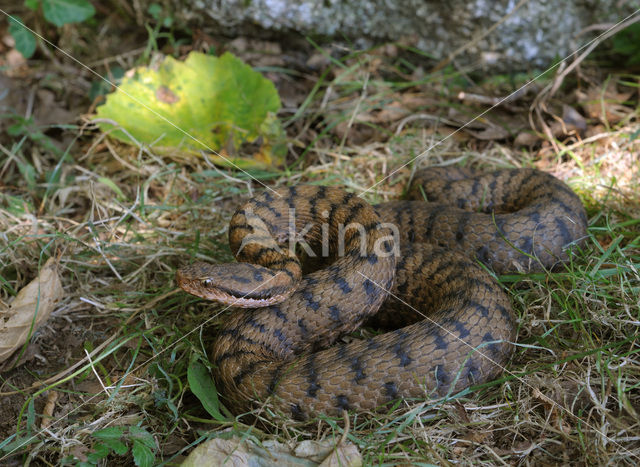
{"points": [[236, 284]]}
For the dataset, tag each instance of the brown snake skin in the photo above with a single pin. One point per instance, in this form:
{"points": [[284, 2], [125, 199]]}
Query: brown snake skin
{"points": [[289, 348]]}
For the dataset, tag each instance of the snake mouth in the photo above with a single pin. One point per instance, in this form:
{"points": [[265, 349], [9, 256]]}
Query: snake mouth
{"points": [[227, 296], [245, 294]]}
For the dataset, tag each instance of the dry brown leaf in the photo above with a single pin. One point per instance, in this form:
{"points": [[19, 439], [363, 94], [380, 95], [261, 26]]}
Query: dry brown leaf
{"points": [[572, 118], [80, 452], [355, 134], [526, 138], [391, 112], [237, 451], [344, 455], [30, 309], [49, 407], [491, 132], [608, 105], [458, 119], [418, 101], [20, 358]]}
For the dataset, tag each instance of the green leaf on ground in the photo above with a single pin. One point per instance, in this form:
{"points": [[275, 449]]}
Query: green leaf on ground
{"points": [[25, 40], [142, 455], [111, 432], [61, 12], [202, 386], [140, 434], [116, 446], [100, 451], [202, 104]]}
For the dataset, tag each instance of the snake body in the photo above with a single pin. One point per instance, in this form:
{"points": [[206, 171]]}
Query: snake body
{"points": [[454, 325]]}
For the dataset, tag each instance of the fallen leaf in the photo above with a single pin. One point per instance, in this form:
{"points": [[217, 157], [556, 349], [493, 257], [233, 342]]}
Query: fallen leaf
{"points": [[356, 134], [47, 412], [30, 309], [203, 103], [526, 138], [20, 358], [79, 451], [572, 118], [491, 132], [237, 451], [607, 105]]}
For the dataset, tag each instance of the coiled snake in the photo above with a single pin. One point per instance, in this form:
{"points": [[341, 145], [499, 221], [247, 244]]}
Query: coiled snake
{"points": [[463, 329]]}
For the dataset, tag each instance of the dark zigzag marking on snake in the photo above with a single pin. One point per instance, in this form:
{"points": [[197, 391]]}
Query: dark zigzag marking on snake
{"points": [[471, 371], [250, 368], [400, 346], [390, 390], [411, 233], [234, 354], [244, 226], [275, 378], [353, 213], [313, 202], [262, 205], [277, 311], [267, 196], [335, 314], [279, 335], [291, 199], [342, 284], [460, 328], [253, 323], [463, 221], [425, 260], [265, 250], [488, 286], [484, 311], [312, 376], [475, 187], [297, 413], [240, 279], [342, 402], [397, 216], [526, 245], [564, 231], [494, 347], [358, 369], [441, 376], [303, 328], [311, 302], [433, 215]]}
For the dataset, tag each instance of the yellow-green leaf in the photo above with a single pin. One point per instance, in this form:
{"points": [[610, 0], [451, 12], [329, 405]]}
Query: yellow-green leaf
{"points": [[202, 104]]}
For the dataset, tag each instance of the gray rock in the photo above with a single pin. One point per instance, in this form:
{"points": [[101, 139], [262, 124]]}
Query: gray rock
{"points": [[533, 37]]}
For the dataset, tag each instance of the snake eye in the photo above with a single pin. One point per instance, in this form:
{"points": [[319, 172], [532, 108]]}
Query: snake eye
{"points": [[207, 282]]}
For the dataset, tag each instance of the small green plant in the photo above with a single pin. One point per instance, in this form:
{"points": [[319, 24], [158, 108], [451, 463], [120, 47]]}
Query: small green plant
{"points": [[162, 18], [56, 12], [118, 440], [161, 29]]}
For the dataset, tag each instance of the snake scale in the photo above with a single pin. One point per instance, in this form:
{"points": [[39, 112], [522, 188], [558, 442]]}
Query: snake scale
{"points": [[412, 265]]}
